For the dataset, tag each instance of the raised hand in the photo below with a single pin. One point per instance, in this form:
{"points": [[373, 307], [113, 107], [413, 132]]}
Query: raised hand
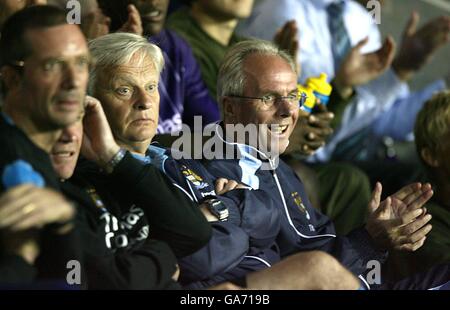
{"points": [[287, 39], [358, 68], [400, 221], [133, 23], [311, 132], [418, 46], [98, 141]]}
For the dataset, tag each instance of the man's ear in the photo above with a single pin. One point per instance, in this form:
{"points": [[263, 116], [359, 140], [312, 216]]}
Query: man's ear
{"points": [[429, 157], [10, 77], [228, 109]]}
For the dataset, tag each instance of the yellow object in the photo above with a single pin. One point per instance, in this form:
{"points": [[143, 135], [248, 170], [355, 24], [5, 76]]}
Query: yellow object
{"points": [[310, 100], [320, 84], [321, 88]]}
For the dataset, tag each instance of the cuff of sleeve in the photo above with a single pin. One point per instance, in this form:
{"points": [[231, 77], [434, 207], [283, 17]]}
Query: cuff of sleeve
{"points": [[128, 169]]}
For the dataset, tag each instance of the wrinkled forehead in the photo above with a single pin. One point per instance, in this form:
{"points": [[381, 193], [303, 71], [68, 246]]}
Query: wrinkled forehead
{"points": [[138, 68]]}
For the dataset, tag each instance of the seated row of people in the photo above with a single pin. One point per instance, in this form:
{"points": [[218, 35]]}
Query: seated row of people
{"points": [[141, 212]]}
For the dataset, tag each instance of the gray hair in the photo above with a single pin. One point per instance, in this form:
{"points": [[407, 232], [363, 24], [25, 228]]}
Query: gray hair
{"points": [[231, 77], [116, 49]]}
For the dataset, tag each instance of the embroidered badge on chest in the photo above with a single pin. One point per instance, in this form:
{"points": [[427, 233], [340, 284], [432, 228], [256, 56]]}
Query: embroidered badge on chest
{"points": [[299, 203], [194, 178]]}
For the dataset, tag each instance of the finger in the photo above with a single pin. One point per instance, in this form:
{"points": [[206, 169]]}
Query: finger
{"points": [[321, 119], [413, 246], [360, 45], [230, 186], [15, 192], [306, 150], [387, 53], [220, 184], [21, 215], [411, 27], [15, 208], [134, 16], [376, 196], [421, 200], [33, 220], [285, 35], [407, 190], [242, 186], [414, 238], [419, 234], [415, 226], [311, 146], [409, 217]]}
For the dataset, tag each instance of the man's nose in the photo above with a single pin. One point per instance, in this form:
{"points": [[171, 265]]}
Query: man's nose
{"points": [[144, 100], [285, 108], [73, 76]]}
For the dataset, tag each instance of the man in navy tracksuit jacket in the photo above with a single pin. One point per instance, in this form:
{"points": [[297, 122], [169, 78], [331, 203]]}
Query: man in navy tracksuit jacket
{"points": [[258, 233], [245, 242], [301, 226], [275, 216]]}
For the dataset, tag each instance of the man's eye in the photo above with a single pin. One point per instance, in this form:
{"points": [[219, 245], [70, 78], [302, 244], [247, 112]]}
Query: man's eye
{"points": [[152, 88], [83, 63], [123, 91], [52, 65], [268, 98]]}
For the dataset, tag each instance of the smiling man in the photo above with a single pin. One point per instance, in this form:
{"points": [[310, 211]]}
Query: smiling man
{"points": [[256, 85]]}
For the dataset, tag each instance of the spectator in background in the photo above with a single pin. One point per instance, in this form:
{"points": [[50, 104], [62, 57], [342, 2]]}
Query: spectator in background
{"points": [[432, 130], [93, 22], [9, 7], [327, 31]]}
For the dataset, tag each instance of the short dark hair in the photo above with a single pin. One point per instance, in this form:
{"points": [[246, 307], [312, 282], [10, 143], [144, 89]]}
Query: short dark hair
{"points": [[13, 45]]}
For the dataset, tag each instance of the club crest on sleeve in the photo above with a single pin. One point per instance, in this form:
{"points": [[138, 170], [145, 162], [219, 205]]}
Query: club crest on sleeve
{"points": [[299, 203]]}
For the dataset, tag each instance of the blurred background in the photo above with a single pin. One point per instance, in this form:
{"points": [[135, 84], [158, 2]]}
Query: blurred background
{"points": [[394, 16]]}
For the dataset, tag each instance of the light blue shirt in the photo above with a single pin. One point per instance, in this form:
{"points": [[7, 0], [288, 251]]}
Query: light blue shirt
{"points": [[373, 100]]}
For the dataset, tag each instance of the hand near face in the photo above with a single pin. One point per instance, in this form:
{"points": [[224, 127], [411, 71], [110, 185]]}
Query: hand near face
{"points": [[400, 222], [98, 141], [287, 39], [358, 69], [134, 23], [418, 46], [26, 206], [95, 24], [311, 131]]}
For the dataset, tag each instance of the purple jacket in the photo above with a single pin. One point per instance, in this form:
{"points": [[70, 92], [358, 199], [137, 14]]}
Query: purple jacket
{"points": [[182, 90]]}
